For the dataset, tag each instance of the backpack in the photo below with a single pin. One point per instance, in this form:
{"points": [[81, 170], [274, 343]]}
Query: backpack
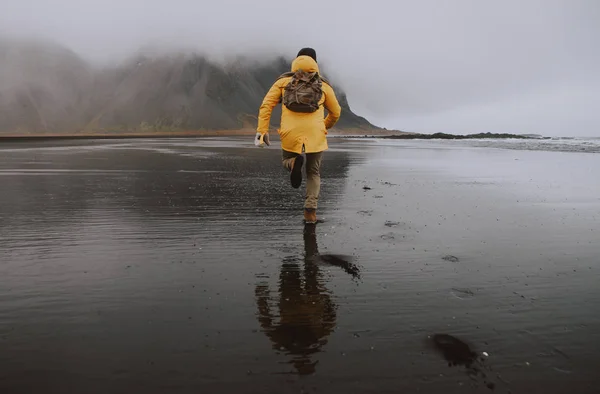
{"points": [[303, 92]]}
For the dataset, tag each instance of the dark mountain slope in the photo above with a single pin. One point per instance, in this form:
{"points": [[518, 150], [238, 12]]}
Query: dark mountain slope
{"points": [[48, 89]]}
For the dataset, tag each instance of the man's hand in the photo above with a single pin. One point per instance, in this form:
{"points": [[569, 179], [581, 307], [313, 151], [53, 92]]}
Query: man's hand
{"points": [[261, 139]]}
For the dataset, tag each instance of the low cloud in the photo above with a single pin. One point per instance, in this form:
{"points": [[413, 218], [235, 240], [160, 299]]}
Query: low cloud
{"points": [[515, 66]]}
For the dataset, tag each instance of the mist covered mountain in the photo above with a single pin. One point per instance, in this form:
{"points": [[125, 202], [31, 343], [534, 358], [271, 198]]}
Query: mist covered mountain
{"points": [[45, 88]]}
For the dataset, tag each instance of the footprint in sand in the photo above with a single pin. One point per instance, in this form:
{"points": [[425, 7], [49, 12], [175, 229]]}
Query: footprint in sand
{"points": [[462, 293], [388, 237]]}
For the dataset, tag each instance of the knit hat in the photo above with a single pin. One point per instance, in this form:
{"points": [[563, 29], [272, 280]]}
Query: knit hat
{"points": [[308, 52]]}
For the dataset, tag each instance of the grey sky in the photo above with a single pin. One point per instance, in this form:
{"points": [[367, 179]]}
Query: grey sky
{"points": [[530, 66]]}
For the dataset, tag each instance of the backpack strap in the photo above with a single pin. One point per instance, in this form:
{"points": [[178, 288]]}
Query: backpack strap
{"points": [[285, 75], [291, 74]]}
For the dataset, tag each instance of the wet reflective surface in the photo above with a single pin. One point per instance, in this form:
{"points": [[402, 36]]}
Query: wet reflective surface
{"points": [[184, 266], [305, 313]]}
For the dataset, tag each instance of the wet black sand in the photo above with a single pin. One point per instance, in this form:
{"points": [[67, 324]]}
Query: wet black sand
{"points": [[183, 266]]}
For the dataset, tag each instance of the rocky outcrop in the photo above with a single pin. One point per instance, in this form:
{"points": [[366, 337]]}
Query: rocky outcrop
{"points": [[444, 136]]}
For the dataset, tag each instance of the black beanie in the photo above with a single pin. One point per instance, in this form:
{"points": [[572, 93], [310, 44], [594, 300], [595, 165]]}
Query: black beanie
{"points": [[308, 52]]}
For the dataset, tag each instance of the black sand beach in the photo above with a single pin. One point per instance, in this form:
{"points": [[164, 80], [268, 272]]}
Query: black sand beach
{"points": [[183, 266]]}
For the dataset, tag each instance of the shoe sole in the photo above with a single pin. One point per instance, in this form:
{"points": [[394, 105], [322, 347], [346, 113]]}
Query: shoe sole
{"points": [[296, 176]]}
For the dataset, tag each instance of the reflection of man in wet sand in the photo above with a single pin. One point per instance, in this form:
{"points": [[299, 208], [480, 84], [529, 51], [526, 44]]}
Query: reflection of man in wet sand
{"points": [[306, 311]]}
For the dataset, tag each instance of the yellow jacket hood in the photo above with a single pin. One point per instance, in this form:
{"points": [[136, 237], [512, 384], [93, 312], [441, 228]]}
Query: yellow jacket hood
{"points": [[305, 63]]}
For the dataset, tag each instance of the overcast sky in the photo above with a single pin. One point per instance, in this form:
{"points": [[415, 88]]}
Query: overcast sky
{"points": [[462, 66]]}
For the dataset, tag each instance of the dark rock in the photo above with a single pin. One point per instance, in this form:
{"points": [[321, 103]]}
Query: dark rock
{"points": [[450, 258], [459, 353], [455, 351]]}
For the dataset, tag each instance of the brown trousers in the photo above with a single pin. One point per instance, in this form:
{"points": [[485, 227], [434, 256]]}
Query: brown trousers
{"points": [[313, 175]]}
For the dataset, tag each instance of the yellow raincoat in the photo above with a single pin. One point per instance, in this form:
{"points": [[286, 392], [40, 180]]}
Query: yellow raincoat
{"points": [[308, 130]]}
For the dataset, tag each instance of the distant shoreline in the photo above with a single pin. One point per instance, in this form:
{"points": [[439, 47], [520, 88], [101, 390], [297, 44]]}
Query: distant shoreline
{"points": [[387, 134], [444, 136], [180, 134]]}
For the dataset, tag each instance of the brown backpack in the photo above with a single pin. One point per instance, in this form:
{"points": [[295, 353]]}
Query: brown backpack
{"points": [[303, 92]]}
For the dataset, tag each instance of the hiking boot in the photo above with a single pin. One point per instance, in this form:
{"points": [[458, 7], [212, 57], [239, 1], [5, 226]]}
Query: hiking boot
{"points": [[296, 175], [310, 216]]}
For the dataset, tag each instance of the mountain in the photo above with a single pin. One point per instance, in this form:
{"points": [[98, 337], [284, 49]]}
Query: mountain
{"points": [[45, 88]]}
